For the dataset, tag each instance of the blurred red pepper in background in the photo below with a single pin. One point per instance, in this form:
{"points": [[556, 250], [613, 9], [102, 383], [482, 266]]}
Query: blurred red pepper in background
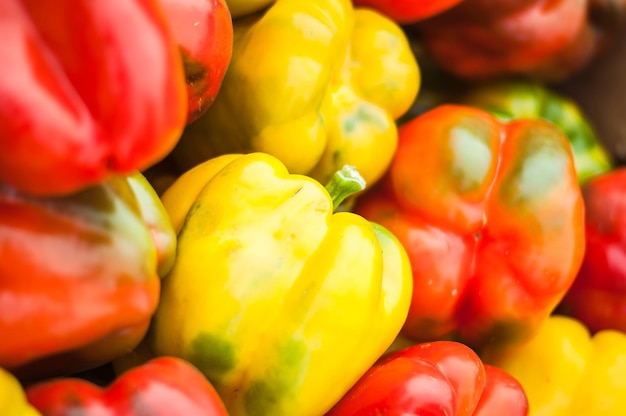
{"points": [[204, 32], [546, 39], [598, 296], [492, 217], [165, 386], [89, 88], [403, 11], [435, 378]]}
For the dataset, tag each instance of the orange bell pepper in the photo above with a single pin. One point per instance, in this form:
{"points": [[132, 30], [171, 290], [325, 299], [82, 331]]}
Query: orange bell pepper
{"points": [[79, 275], [492, 217]]}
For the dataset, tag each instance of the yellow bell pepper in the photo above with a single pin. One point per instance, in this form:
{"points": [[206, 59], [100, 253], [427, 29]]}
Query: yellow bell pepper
{"points": [[12, 397], [317, 84], [282, 303], [565, 371]]}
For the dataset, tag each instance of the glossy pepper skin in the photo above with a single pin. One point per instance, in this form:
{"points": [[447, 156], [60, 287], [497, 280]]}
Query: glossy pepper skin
{"points": [[272, 295], [549, 40], [564, 371], [90, 263], [12, 398], [316, 84], [598, 295], [404, 12], [89, 89], [492, 217], [435, 378], [203, 30], [514, 99], [164, 386]]}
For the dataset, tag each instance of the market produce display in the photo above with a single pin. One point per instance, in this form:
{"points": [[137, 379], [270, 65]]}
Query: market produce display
{"points": [[308, 208]]}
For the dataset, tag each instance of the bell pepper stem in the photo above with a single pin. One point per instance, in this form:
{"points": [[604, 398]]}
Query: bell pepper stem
{"points": [[345, 182]]}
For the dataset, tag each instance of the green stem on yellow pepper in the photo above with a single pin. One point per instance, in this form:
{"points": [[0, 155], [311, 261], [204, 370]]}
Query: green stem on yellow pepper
{"points": [[345, 182]]}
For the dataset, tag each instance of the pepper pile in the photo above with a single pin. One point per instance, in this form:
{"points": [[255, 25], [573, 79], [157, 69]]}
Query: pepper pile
{"points": [[324, 207]]}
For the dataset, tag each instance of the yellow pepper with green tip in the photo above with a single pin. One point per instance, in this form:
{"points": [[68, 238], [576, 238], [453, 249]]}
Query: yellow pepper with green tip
{"points": [[565, 371], [12, 397], [317, 84], [280, 301]]}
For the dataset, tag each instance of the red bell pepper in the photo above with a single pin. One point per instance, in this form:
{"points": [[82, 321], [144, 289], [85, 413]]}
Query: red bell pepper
{"points": [[204, 32], [403, 11], [546, 39], [435, 378], [89, 88], [492, 217], [598, 296], [165, 386]]}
